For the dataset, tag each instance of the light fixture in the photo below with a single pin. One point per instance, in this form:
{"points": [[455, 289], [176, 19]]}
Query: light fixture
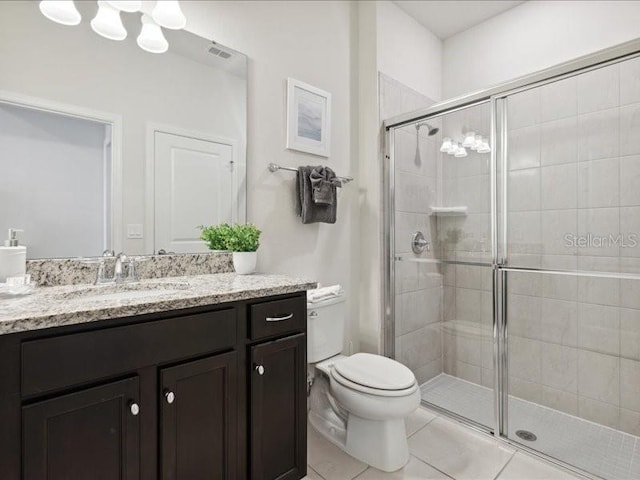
{"points": [[64, 12], [460, 152], [108, 23], [484, 148], [128, 6], [167, 14], [446, 144], [453, 149], [151, 38], [469, 139], [477, 142]]}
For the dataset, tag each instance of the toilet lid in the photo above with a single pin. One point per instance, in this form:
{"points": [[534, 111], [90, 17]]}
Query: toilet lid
{"points": [[375, 371]]}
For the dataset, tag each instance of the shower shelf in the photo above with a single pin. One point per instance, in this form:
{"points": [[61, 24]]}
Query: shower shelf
{"points": [[448, 211]]}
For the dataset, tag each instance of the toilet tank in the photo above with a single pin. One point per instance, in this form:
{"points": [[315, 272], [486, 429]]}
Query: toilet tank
{"points": [[325, 328]]}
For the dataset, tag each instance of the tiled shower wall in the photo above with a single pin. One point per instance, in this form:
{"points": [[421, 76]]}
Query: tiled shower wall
{"points": [[574, 176], [418, 313], [467, 293]]}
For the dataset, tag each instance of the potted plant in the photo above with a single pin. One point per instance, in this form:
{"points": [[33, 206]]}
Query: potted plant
{"points": [[215, 236], [243, 241]]}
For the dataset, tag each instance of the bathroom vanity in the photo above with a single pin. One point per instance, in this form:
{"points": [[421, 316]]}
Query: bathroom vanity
{"points": [[180, 383]]}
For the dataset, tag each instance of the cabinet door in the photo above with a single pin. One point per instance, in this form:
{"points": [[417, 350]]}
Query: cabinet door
{"points": [[89, 435], [278, 409], [199, 419]]}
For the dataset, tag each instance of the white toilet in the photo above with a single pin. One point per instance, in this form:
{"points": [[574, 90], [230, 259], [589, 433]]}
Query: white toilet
{"points": [[357, 402]]}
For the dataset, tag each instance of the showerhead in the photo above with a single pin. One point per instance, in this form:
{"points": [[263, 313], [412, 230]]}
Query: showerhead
{"points": [[430, 130]]}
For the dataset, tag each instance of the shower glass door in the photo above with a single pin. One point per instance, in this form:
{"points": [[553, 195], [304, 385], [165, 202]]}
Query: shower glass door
{"points": [[444, 291], [571, 275]]}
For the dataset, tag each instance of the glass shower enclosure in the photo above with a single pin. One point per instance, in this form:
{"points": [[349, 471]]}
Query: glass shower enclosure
{"points": [[513, 260]]}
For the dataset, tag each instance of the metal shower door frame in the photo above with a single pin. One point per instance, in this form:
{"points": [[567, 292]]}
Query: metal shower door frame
{"points": [[497, 96]]}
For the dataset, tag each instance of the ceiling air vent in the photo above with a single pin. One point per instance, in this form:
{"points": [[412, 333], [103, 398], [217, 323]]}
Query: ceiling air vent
{"points": [[218, 52]]}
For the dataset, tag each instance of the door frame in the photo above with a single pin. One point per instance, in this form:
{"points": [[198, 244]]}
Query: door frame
{"points": [[239, 172], [112, 119]]}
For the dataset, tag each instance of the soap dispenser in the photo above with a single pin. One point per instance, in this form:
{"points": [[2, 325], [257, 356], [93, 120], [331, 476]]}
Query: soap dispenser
{"points": [[13, 257]]}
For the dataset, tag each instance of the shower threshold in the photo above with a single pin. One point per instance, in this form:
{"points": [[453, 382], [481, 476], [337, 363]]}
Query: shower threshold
{"points": [[594, 448]]}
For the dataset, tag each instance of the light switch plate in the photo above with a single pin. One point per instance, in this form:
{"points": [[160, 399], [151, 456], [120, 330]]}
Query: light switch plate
{"points": [[134, 230]]}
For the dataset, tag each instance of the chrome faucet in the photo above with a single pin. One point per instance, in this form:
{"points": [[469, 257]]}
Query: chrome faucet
{"points": [[118, 272], [118, 277]]}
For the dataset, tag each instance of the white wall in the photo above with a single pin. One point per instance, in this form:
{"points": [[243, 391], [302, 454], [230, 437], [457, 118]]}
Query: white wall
{"points": [[310, 41], [408, 52], [533, 36]]}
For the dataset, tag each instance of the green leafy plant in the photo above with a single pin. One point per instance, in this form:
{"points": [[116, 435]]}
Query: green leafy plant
{"points": [[237, 238], [243, 238], [215, 236]]}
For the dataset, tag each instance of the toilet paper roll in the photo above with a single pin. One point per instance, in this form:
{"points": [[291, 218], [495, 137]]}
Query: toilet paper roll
{"points": [[13, 262]]}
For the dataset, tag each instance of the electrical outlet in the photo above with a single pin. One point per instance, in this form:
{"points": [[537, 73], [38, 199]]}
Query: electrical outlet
{"points": [[135, 230]]}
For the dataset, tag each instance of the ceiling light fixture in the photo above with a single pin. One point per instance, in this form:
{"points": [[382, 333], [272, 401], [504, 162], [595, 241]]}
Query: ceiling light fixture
{"points": [[63, 12], [469, 139], [128, 6], [151, 38], [167, 14], [484, 148], [108, 23], [460, 152]]}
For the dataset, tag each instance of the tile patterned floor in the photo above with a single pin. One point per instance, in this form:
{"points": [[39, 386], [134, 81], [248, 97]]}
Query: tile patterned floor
{"points": [[440, 450], [601, 450]]}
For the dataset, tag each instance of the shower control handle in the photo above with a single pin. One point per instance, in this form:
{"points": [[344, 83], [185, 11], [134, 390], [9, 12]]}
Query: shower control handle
{"points": [[419, 243]]}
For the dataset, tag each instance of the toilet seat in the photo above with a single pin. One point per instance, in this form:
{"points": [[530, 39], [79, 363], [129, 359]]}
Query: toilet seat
{"points": [[372, 391], [374, 375]]}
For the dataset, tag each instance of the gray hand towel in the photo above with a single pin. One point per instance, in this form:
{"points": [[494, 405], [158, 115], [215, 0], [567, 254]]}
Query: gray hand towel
{"points": [[324, 183], [306, 208]]}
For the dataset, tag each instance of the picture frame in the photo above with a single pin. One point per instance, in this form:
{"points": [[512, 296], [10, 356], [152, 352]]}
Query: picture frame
{"points": [[308, 118]]}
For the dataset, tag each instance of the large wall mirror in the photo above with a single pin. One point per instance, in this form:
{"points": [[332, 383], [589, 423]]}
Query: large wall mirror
{"points": [[104, 146]]}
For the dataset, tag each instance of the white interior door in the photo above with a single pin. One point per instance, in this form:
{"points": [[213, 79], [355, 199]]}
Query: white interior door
{"points": [[193, 186]]}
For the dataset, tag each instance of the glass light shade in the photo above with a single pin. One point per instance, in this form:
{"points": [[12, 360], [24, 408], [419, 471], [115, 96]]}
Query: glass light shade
{"points": [[469, 139], [167, 14], [477, 143], [108, 22], [453, 149], [63, 12], [446, 144], [460, 152], [128, 6], [484, 148], [151, 38]]}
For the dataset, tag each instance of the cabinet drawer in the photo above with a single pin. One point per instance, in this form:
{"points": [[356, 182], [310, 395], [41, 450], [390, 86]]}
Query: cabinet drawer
{"points": [[60, 362], [273, 318]]}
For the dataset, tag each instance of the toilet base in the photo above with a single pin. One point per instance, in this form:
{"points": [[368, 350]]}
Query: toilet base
{"points": [[381, 444]]}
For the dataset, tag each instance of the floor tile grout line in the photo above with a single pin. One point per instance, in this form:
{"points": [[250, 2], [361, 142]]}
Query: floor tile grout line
{"points": [[505, 465], [428, 422], [314, 471]]}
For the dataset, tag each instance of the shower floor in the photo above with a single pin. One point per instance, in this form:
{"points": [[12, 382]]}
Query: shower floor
{"points": [[600, 450]]}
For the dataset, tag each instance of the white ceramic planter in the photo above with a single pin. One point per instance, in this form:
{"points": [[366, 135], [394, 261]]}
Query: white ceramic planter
{"points": [[244, 263]]}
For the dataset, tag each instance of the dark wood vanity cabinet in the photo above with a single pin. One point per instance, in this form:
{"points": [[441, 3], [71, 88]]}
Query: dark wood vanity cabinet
{"points": [[171, 396], [278, 401], [92, 433], [278, 409], [198, 419]]}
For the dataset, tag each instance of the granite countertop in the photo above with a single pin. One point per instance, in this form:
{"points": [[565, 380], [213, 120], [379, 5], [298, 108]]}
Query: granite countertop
{"points": [[73, 304]]}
